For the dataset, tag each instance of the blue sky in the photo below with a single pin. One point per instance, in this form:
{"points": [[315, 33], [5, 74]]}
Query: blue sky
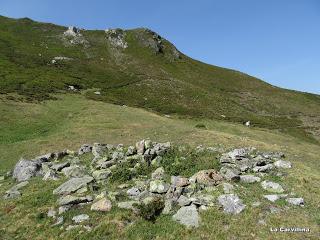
{"points": [[277, 41]]}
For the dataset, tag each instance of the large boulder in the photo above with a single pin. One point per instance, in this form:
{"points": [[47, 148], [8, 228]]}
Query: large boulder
{"points": [[207, 177], [187, 216], [73, 185], [231, 203], [25, 169]]}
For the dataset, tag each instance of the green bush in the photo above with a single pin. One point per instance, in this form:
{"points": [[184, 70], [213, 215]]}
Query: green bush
{"points": [[151, 210]]}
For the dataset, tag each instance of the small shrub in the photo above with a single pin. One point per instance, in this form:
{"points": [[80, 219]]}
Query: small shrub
{"points": [[151, 210], [121, 174], [201, 125]]}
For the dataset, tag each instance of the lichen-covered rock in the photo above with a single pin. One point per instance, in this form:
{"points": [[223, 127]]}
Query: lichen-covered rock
{"points": [[272, 187], [116, 37], [187, 216], [158, 186], [177, 181], [249, 179], [80, 218], [25, 169], [231, 203], [85, 148], [101, 174], [158, 173], [71, 200], [103, 205], [73, 185], [282, 164], [295, 201]]}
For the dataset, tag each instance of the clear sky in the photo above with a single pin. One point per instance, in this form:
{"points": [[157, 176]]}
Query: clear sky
{"points": [[275, 40]]}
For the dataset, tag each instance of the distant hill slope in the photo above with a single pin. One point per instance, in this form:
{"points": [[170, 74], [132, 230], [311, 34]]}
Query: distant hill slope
{"points": [[139, 68]]}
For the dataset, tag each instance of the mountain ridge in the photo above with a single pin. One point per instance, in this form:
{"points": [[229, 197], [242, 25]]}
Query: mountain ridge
{"points": [[139, 68]]}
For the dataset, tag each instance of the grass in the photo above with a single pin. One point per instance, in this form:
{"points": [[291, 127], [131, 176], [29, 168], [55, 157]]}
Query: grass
{"points": [[72, 120], [139, 77]]}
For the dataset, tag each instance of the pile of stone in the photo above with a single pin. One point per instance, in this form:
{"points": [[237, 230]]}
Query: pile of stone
{"points": [[73, 36], [183, 197]]}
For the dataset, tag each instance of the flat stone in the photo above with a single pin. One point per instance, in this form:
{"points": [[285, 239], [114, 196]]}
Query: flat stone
{"points": [[101, 174], [249, 179], [187, 216], [272, 187], [71, 200], [274, 197], [295, 201], [231, 203], [80, 218], [73, 185], [103, 205], [59, 166]]}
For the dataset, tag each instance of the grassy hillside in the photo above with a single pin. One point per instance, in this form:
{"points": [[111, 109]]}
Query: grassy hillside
{"points": [[72, 120], [146, 74]]}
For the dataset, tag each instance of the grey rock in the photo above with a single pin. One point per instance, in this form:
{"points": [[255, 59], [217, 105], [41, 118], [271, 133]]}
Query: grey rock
{"points": [[58, 222], [183, 201], [85, 148], [158, 173], [59, 166], [50, 175], [131, 151], [80, 218], [265, 168], [177, 181], [73, 185], [230, 174], [249, 179], [72, 200], [231, 203], [52, 213], [296, 201], [14, 191], [25, 169], [127, 205], [133, 192], [272, 187], [63, 209], [187, 216], [102, 205], [168, 205], [98, 149], [116, 38], [74, 171], [228, 188], [140, 146], [101, 174], [274, 197], [158, 186], [282, 164]]}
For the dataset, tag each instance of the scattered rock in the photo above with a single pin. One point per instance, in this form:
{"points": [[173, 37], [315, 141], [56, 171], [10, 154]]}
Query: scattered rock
{"points": [[80, 218], [73, 185], [282, 164], [296, 201], [231, 203], [158, 186], [274, 197], [272, 187], [103, 205], [187, 216], [249, 179]]}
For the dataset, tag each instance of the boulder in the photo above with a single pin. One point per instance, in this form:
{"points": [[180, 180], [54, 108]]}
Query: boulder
{"points": [[272, 187], [85, 148], [158, 173], [231, 203], [103, 205], [282, 164], [73, 185], [295, 201], [207, 177], [249, 179], [187, 216], [101, 174], [71, 200], [177, 181], [74, 171], [158, 186], [80, 218], [25, 169], [183, 201]]}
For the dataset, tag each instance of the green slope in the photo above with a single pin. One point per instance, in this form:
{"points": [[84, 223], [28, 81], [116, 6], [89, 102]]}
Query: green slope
{"points": [[161, 80]]}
